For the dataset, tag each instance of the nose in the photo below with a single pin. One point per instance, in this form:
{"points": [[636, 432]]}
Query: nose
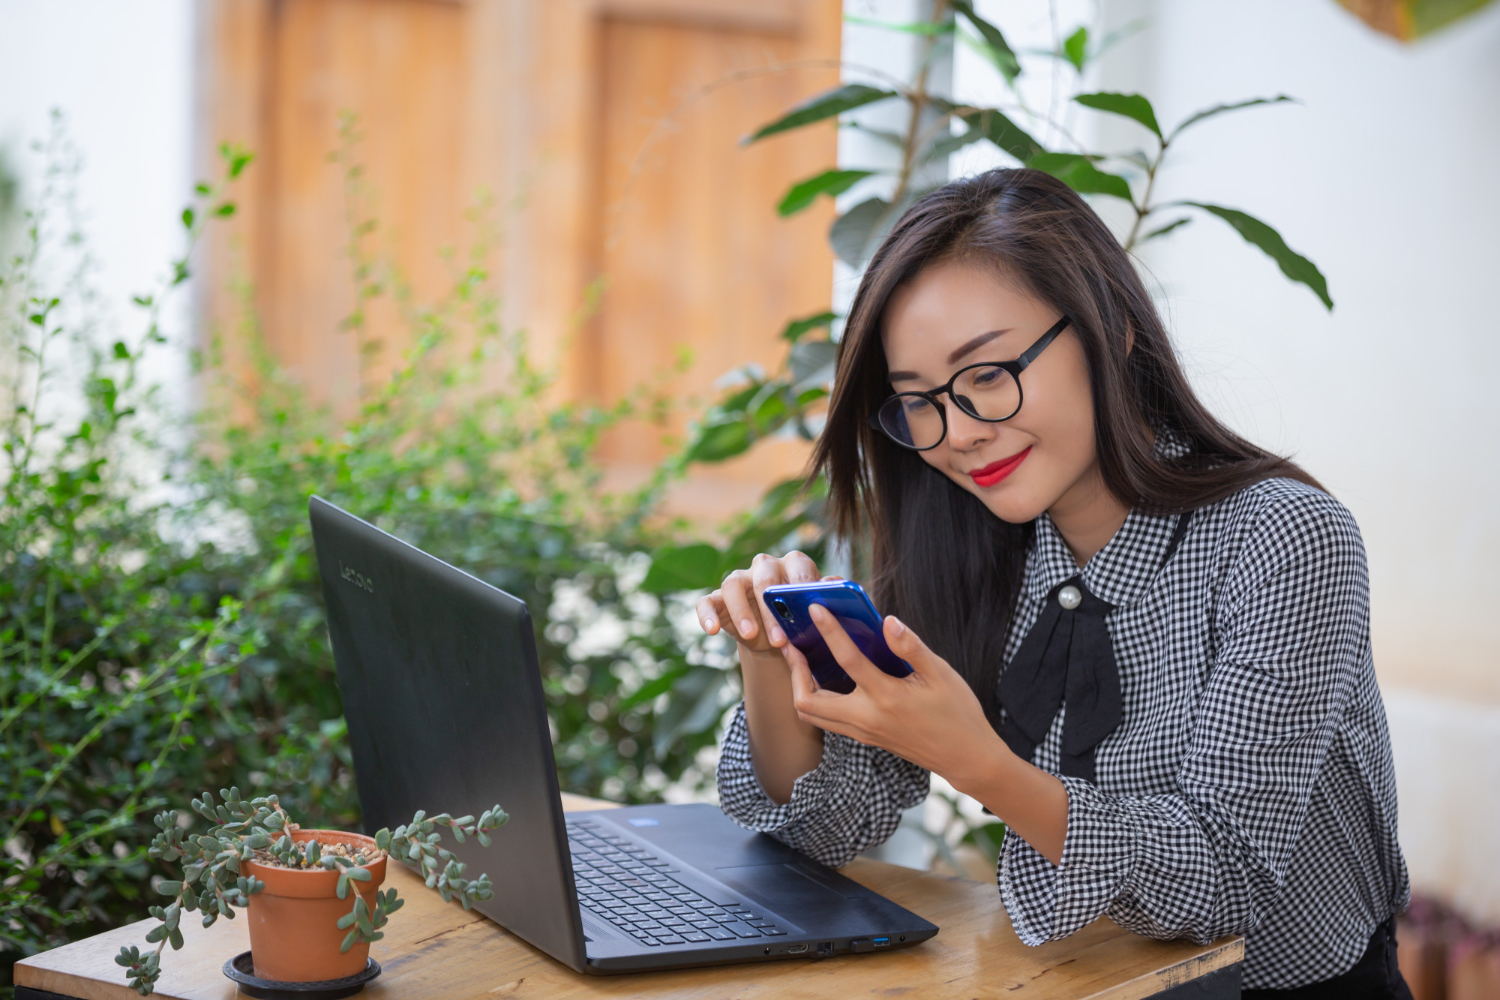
{"points": [[965, 432]]}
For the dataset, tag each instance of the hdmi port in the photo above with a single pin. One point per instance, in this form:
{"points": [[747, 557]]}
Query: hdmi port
{"points": [[796, 949]]}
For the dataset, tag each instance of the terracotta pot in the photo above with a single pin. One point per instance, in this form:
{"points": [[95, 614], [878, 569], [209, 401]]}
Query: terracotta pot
{"points": [[294, 933]]}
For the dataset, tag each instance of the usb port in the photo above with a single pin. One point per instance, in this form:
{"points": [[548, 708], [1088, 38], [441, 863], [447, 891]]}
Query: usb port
{"points": [[884, 942], [796, 949]]}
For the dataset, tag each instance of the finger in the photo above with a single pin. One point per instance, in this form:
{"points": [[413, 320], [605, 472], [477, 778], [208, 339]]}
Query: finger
{"points": [[738, 605], [799, 567], [906, 644], [848, 655], [831, 579], [710, 612], [825, 709], [767, 571]]}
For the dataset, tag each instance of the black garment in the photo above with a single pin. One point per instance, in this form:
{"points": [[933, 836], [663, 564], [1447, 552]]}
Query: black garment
{"points": [[1376, 976]]}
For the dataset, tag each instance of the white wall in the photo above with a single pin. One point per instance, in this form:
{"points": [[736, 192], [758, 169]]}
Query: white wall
{"points": [[122, 73]]}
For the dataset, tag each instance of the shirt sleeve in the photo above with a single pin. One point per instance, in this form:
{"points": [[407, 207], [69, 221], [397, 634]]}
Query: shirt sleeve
{"points": [[850, 802], [1291, 622]]}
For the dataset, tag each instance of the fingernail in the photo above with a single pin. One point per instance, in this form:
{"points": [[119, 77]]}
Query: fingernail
{"points": [[710, 623], [776, 634], [745, 626], [899, 627]]}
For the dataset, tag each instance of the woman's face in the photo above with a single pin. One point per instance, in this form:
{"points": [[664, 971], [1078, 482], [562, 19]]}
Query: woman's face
{"points": [[958, 314]]}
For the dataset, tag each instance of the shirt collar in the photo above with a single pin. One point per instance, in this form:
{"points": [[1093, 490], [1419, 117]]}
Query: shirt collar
{"points": [[1119, 573]]}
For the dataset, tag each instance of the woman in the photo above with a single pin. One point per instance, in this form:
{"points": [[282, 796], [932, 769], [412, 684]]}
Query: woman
{"points": [[1138, 639]]}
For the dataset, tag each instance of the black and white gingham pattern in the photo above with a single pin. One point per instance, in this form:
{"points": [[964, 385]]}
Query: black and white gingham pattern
{"points": [[1249, 788]]}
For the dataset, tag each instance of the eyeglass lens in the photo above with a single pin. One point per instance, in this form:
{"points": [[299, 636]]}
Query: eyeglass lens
{"points": [[987, 392]]}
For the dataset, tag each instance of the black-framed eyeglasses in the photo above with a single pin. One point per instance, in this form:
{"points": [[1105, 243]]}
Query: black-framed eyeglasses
{"points": [[988, 391]]}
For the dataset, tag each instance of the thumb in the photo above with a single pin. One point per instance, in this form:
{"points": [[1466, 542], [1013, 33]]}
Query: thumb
{"points": [[905, 644]]}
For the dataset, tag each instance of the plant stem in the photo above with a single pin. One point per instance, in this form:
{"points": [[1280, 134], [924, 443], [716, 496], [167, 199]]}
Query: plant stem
{"points": [[920, 100], [1144, 208]]}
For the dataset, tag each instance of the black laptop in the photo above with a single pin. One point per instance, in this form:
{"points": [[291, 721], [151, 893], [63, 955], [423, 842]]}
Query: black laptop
{"points": [[443, 695]]}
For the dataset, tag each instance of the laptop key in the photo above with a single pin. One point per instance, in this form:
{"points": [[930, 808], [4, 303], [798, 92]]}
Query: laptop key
{"points": [[719, 933], [697, 937], [742, 930], [669, 938], [772, 932]]}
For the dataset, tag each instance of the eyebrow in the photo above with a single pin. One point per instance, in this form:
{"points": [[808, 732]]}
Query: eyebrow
{"points": [[967, 347]]}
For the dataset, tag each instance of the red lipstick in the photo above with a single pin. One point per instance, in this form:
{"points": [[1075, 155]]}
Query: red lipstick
{"points": [[996, 471]]}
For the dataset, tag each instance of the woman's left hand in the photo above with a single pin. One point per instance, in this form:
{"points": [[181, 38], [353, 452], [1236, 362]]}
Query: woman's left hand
{"points": [[930, 717]]}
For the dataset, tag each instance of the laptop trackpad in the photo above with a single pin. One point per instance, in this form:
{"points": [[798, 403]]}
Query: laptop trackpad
{"points": [[782, 888]]}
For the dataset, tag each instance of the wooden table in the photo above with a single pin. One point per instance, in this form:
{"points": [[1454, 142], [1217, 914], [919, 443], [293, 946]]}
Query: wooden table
{"points": [[436, 950]]}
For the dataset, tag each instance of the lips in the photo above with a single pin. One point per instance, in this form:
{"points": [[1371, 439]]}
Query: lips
{"points": [[996, 471]]}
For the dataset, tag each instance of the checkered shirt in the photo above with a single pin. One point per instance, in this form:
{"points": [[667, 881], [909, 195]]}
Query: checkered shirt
{"points": [[1249, 787]]}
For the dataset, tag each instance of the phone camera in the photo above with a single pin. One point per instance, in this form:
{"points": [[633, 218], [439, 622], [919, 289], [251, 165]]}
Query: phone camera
{"points": [[779, 606]]}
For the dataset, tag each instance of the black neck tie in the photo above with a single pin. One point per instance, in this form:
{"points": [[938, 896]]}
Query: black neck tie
{"points": [[1067, 657]]}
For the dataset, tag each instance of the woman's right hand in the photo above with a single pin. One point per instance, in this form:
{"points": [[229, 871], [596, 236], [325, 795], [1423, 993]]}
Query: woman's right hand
{"points": [[739, 608]]}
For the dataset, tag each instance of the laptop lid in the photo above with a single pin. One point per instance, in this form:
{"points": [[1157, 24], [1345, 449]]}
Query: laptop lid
{"points": [[407, 630]]}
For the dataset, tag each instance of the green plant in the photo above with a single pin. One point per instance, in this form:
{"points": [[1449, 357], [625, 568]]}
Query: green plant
{"points": [[259, 829], [107, 670], [161, 616]]}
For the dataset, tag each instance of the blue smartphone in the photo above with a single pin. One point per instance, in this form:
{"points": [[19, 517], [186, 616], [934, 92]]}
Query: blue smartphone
{"points": [[847, 601]]}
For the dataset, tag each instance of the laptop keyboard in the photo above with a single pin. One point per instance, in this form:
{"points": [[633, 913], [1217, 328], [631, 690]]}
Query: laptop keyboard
{"points": [[625, 886]]}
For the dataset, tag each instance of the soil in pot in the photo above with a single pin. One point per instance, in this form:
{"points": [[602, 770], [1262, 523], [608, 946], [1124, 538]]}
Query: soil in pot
{"points": [[294, 932]]}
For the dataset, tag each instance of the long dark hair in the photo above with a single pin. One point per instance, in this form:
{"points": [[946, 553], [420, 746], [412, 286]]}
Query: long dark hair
{"points": [[941, 561]]}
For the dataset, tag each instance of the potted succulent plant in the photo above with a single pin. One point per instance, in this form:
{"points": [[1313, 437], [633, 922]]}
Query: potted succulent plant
{"points": [[312, 897]]}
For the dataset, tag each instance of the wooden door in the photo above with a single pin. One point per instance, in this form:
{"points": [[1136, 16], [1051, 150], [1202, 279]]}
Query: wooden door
{"points": [[607, 132]]}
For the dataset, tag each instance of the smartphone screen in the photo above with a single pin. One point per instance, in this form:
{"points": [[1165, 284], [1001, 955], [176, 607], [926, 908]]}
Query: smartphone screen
{"points": [[847, 601]]}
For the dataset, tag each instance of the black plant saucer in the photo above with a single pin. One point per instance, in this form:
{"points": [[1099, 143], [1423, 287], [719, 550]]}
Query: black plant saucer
{"points": [[242, 971]]}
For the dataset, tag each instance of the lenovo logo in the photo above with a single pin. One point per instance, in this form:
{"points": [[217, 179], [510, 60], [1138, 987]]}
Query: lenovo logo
{"points": [[355, 577]]}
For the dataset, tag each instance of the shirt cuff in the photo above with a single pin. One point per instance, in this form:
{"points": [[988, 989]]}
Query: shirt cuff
{"points": [[745, 802], [1047, 901]]}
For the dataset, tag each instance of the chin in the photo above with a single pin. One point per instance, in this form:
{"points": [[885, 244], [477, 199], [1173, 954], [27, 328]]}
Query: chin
{"points": [[1009, 500]]}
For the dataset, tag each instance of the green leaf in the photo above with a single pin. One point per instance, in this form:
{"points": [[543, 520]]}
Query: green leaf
{"points": [[1075, 48], [922, 28], [829, 182], [359, 874], [349, 940], [169, 888], [813, 361], [1132, 106], [121, 351], [650, 690], [1169, 227], [996, 49], [684, 567], [828, 104], [798, 327], [851, 232], [1080, 174], [1010, 137], [1219, 109], [187, 217], [1292, 264], [346, 921], [720, 440]]}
